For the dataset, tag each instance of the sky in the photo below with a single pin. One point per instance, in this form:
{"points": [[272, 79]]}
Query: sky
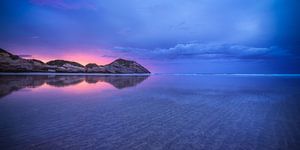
{"points": [[165, 36]]}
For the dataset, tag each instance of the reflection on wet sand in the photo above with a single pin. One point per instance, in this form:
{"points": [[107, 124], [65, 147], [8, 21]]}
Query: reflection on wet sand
{"points": [[118, 82], [9, 84]]}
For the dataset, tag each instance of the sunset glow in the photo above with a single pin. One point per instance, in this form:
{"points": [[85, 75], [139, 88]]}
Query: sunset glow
{"points": [[77, 57]]}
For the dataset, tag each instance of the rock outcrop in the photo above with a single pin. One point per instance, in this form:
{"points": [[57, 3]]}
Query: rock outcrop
{"points": [[94, 68], [14, 63], [65, 66], [125, 66]]}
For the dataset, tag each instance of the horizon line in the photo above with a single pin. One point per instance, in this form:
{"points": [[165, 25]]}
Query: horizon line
{"points": [[149, 74]]}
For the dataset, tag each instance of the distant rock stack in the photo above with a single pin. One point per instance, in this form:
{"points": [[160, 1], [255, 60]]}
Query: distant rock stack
{"points": [[14, 63]]}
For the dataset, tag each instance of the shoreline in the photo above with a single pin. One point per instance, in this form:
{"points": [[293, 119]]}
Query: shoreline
{"points": [[148, 74], [61, 73]]}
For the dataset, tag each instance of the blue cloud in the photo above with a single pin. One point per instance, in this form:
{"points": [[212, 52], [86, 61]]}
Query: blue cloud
{"points": [[66, 4], [207, 51]]}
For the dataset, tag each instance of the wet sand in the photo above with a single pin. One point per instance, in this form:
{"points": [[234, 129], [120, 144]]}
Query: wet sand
{"points": [[157, 112]]}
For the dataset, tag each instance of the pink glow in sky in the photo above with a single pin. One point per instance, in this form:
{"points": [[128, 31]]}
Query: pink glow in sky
{"points": [[80, 55], [77, 57]]}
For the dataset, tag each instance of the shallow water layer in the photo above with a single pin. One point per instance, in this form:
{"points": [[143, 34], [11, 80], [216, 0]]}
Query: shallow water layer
{"points": [[149, 112]]}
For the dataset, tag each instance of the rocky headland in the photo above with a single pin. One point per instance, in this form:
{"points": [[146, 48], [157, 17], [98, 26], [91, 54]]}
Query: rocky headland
{"points": [[13, 63]]}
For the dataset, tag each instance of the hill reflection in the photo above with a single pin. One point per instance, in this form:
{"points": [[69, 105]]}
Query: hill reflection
{"points": [[9, 84]]}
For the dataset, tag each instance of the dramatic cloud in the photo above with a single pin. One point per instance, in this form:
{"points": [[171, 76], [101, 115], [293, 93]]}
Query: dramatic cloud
{"points": [[207, 51]]}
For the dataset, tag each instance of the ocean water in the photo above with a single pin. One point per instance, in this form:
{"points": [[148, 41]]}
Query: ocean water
{"points": [[160, 112]]}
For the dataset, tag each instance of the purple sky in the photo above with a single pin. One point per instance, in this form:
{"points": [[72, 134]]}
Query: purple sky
{"points": [[166, 36]]}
